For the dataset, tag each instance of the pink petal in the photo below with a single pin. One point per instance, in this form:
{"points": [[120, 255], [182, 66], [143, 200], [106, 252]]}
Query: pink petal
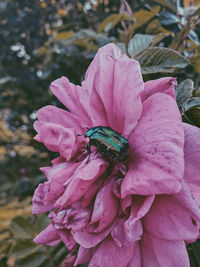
{"points": [[84, 255], [59, 139], [192, 156], [127, 231], [109, 254], [59, 116], [49, 236], [174, 217], [159, 252], [58, 175], [162, 85], [92, 192], [67, 239], [156, 149], [83, 178], [136, 259], [105, 206], [114, 82], [74, 98], [38, 203], [88, 239], [69, 262]]}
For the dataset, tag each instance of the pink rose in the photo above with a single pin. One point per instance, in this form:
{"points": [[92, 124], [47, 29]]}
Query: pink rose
{"points": [[140, 212]]}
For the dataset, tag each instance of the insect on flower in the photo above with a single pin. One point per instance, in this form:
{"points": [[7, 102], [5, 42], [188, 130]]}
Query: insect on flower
{"points": [[109, 143]]}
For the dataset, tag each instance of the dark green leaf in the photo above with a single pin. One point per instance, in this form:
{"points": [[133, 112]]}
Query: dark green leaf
{"points": [[33, 260], [191, 103], [160, 59], [22, 228], [23, 249], [191, 110], [184, 91]]}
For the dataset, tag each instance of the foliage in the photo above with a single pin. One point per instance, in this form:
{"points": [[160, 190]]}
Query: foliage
{"points": [[50, 38]]}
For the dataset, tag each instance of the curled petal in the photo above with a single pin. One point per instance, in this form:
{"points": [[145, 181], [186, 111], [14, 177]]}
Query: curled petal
{"points": [[69, 262], [162, 85], [108, 252], [73, 218], [156, 149], [83, 178], [57, 138], [105, 206], [74, 98], [84, 255], [58, 175], [92, 192], [38, 201], [49, 236], [88, 238], [159, 252], [67, 239], [129, 230]]}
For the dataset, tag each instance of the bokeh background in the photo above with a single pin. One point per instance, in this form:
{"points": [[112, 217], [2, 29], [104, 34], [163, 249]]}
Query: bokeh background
{"points": [[41, 40]]}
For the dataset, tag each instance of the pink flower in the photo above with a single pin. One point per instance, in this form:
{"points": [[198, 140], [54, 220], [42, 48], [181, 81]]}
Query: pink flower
{"points": [[140, 212]]}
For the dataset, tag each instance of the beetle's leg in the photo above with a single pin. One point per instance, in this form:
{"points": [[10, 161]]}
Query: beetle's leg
{"points": [[89, 151]]}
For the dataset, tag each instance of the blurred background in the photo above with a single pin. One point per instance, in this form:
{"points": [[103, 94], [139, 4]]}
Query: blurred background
{"points": [[42, 40]]}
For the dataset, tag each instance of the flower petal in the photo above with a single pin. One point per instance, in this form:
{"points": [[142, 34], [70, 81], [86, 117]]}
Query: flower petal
{"points": [[57, 138], [174, 217], [109, 254], [69, 261], [67, 239], [58, 175], [88, 239], [159, 252], [156, 149], [38, 204], [136, 260], [114, 82], [74, 98], [84, 255], [105, 206], [85, 175], [59, 116], [127, 231], [192, 156], [49, 236], [162, 85]]}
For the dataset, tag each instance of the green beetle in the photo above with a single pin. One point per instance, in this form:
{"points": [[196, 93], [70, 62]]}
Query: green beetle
{"points": [[109, 143]]}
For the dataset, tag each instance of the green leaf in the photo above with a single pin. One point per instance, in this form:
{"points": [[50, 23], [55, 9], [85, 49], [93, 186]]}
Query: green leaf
{"points": [[184, 91], [138, 43], [160, 59], [33, 260], [142, 41], [41, 223], [23, 249], [191, 110], [22, 228], [122, 47], [193, 102]]}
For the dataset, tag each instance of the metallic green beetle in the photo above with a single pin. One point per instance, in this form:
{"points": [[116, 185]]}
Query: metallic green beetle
{"points": [[109, 143]]}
